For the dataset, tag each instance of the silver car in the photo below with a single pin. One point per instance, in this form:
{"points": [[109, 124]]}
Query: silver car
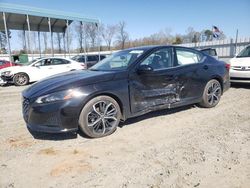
{"points": [[240, 67]]}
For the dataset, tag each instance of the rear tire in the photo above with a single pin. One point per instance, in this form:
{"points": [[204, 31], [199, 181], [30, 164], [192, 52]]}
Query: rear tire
{"points": [[21, 79], [211, 95], [100, 117]]}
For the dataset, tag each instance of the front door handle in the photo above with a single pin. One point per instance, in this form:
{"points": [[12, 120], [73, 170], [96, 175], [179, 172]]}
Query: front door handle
{"points": [[205, 67], [170, 77]]}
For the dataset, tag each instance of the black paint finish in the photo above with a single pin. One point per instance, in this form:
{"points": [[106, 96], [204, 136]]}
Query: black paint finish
{"points": [[136, 92]]}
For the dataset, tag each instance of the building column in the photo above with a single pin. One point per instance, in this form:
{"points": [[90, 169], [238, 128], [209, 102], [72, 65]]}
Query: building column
{"points": [[51, 38], [30, 46], [7, 36], [67, 31]]}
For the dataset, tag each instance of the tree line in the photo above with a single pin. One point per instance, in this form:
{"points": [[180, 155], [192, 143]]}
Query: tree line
{"points": [[87, 37]]}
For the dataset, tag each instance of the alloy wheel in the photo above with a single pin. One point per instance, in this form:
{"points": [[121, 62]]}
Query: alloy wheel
{"points": [[214, 93], [102, 117]]}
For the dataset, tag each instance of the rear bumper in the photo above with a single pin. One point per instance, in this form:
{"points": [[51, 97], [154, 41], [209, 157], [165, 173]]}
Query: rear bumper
{"points": [[226, 85]]}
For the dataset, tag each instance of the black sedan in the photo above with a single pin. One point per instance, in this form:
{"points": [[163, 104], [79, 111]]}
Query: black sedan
{"points": [[128, 83]]}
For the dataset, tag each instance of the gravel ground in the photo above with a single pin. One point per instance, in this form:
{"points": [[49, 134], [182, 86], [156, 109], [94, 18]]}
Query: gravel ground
{"points": [[184, 147]]}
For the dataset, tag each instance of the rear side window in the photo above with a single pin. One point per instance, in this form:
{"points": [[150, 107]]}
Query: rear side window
{"points": [[1, 63], [185, 56], [92, 58]]}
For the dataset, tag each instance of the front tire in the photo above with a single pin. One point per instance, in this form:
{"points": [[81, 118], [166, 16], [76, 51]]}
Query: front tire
{"points": [[212, 94], [100, 117], [21, 79]]}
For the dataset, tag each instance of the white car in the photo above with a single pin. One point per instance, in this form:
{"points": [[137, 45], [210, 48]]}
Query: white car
{"points": [[240, 67], [38, 69]]}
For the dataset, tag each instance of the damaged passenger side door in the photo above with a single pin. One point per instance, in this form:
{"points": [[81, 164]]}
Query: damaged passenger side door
{"points": [[167, 77], [153, 83]]}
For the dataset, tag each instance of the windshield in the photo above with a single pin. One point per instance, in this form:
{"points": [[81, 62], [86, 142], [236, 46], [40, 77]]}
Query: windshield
{"points": [[30, 62], [245, 52], [75, 58], [118, 61]]}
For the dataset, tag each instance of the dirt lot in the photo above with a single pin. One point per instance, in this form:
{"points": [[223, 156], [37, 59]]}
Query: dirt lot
{"points": [[185, 147]]}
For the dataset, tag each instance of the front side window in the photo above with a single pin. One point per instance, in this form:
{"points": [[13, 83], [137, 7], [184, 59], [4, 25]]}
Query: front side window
{"points": [[245, 52], [43, 62], [1, 63], [160, 59], [118, 61], [185, 57]]}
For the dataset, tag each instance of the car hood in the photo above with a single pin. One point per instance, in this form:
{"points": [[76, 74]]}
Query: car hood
{"points": [[66, 81], [14, 69], [243, 61]]}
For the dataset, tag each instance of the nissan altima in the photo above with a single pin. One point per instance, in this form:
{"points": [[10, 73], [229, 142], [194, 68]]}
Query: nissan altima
{"points": [[128, 83]]}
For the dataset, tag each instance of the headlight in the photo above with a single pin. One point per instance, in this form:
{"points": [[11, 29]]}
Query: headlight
{"points": [[6, 73], [59, 96]]}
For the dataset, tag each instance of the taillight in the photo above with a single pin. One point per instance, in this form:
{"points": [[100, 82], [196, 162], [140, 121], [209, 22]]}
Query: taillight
{"points": [[83, 65], [227, 65]]}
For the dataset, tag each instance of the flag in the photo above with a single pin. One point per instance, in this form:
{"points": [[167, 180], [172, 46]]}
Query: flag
{"points": [[216, 32]]}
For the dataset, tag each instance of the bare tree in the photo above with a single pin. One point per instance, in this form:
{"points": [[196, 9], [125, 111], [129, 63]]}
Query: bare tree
{"points": [[3, 41], [45, 40], [33, 41], [69, 37], [59, 38], [21, 35], [108, 34], [80, 36], [189, 37], [92, 33], [122, 35]]}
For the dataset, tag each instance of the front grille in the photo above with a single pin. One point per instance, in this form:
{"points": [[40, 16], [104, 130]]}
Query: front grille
{"points": [[241, 68], [26, 106], [237, 78]]}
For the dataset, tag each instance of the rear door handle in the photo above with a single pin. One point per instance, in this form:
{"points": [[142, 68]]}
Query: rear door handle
{"points": [[169, 77]]}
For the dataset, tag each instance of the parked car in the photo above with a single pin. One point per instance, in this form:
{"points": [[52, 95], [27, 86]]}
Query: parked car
{"points": [[126, 84], [240, 67], [37, 70], [4, 64], [89, 61], [210, 51]]}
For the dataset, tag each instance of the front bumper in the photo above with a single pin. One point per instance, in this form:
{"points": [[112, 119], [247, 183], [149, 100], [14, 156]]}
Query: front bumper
{"points": [[7, 79], [2, 82], [54, 117], [240, 76]]}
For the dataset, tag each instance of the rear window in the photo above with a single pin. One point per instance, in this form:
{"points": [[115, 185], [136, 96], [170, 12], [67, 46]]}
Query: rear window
{"points": [[211, 52], [245, 52]]}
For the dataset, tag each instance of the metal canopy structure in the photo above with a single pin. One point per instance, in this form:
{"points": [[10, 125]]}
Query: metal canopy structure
{"points": [[19, 17]]}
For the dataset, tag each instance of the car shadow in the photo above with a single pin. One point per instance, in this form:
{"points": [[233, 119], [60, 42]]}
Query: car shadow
{"points": [[154, 114], [74, 135], [240, 85]]}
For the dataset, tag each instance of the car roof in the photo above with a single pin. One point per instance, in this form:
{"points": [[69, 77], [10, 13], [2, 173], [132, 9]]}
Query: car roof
{"points": [[156, 46]]}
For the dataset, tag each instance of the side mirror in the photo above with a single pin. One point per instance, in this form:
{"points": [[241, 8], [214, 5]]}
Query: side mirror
{"points": [[37, 65], [144, 69]]}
